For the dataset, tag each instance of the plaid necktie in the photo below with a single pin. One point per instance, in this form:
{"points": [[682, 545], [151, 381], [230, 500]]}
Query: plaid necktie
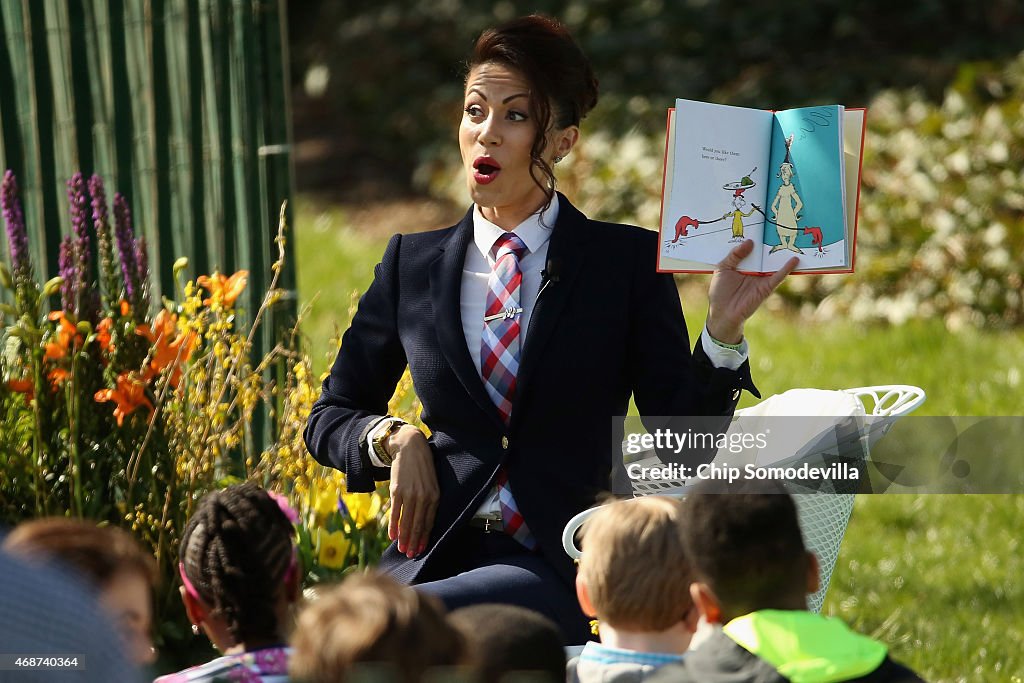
{"points": [[499, 358]]}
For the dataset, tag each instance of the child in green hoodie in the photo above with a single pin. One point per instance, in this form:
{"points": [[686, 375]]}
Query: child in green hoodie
{"points": [[753, 574]]}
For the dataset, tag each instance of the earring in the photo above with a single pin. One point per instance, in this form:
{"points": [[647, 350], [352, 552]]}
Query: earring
{"points": [[195, 629], [557, 159]]}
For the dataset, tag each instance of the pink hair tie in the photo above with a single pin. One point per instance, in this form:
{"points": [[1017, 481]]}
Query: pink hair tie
{"points": [[189, 588]]}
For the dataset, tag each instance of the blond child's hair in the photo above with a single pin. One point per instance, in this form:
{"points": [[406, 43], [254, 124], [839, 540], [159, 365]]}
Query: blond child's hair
{"points": [[635, 569]]}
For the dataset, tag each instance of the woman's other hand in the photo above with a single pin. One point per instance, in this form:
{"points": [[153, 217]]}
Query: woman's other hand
{"points": [[733, 296], [414, 490]]}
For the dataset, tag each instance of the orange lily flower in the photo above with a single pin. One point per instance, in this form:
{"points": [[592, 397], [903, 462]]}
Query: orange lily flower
{"points": [[103, 334], [168, 345], [223, 289], [67, 335], [57, 376], [167, 352], [164, 326], [22, 386], [129, 395]]}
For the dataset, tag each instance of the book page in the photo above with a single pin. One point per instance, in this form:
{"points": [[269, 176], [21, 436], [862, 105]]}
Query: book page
{"points": [[854, 121], [806, 213], [715, 185]]}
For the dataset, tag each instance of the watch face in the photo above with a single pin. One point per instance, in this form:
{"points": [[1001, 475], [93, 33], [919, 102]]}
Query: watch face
{"points": [[382, 453], [378, 441]]}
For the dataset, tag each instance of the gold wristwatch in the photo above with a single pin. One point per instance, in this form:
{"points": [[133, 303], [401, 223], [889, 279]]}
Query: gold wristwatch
{"points": [[387, 427]]}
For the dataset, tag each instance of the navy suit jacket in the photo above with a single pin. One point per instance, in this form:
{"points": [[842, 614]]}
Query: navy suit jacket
{"points": [[607, 326]]}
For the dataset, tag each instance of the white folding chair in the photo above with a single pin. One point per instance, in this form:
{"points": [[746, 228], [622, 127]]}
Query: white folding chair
{"points": [[871, 411]]}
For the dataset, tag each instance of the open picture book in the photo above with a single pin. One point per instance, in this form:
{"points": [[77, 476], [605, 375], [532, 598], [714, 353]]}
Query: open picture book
{"points": [[788, 180]]}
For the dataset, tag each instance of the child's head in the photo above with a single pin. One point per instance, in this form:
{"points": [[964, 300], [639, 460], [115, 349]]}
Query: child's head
{"points": [[748, 551], [508, 639], [634, 574], [370, 619], [107, 558], [238, 566]]}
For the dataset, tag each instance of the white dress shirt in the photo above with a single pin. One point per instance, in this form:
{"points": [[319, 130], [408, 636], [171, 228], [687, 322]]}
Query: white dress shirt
{"points": [[535, 232]]}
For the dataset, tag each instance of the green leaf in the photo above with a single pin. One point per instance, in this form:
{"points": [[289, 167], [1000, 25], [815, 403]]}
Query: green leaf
{"points": [[52, 286], [19, 332], [226, 481]]}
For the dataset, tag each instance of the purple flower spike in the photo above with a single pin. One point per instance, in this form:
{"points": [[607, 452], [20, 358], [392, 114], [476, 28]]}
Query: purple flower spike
{"points": [[99, 202], [79, 202], [80, 214], [104, 244], [141, 259], [68, 263], [79, 206], [14, 218], [142, 273], [126, 246]]}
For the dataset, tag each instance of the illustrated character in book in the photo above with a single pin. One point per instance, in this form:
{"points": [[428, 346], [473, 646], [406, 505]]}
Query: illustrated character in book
{"points": [[786, 206], [739, 202], [681, 227], [737, 214], [816, 239]]}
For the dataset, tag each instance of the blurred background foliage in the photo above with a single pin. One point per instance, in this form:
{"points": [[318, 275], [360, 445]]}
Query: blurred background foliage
{"points": [[384, 76], [378, 88]]}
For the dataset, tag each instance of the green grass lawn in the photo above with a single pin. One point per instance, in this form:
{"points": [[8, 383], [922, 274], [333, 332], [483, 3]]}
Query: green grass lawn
{"points": [[937, 577]]}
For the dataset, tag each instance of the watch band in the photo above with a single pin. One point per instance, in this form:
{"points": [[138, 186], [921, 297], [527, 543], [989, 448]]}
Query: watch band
{"points": [[384, 429]]}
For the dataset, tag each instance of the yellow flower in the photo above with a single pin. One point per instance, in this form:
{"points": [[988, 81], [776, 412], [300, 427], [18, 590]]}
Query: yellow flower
{"points": [[363, 508], [332, 548], [325, 502]]}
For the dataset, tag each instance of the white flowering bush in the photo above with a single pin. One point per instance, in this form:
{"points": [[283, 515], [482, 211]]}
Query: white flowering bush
{"points": [[617, 178], [942, 208]]}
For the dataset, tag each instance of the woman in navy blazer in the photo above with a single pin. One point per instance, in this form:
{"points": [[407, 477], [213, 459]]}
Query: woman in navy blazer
{"points": [[598, 324]]}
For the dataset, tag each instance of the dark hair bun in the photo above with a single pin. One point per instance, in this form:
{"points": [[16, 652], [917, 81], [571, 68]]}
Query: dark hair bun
{"points": [[543, 50]]}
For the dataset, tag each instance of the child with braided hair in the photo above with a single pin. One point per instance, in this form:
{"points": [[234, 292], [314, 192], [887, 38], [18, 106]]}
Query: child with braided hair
{"points": [[239, 580]]}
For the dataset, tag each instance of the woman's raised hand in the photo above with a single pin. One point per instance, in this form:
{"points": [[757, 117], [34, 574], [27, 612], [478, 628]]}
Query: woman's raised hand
{"points": [[414, 490], [734, 296]]}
